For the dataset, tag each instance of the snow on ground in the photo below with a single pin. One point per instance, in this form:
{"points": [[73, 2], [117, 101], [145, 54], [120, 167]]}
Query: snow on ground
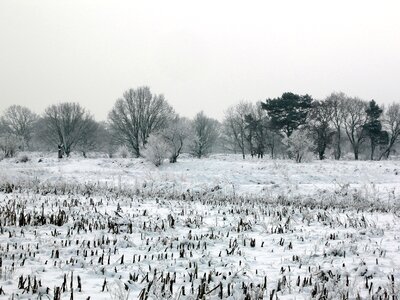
{"points": [[250, 176], [225, 231]]}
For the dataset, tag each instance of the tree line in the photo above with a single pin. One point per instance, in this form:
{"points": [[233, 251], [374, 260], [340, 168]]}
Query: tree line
{"points": [[144, 124]]}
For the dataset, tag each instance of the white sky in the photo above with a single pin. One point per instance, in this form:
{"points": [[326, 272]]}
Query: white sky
{"points": [[202, 55]]}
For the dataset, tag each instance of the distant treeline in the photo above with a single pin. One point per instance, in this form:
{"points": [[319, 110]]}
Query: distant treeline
{"points": [[145, 124]]}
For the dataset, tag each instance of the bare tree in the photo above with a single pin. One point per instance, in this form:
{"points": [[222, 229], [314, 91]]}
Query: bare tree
{"points": [[259, 131], [67, 125], [9, 145], [246, 127], [227, 140], [336, 101], [391, 124], [91, 138], [138, 114], [176, 135], [19, 121], [273, 140], [205, 132], [105, 140], [354, 120], [235, 125]]}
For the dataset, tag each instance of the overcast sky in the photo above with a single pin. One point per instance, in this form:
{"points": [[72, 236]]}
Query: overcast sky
{"points": [[202, 55]]}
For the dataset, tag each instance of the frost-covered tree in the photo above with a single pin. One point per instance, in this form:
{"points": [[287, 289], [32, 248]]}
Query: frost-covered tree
{"points": [[137, 115], [354, 120], [67, 125], [298, 143], [205, 134], [157, 150], [19, 121], [176, 135]]}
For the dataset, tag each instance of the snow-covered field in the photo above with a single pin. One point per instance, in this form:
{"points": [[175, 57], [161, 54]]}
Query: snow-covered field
{"points": [[213, 228]]}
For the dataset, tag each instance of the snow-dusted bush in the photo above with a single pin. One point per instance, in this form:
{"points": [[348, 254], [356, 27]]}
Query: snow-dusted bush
{"points": [[23, 158], [118, 291], [157, 149], [299, 144], [123, 152], [9, 145]]}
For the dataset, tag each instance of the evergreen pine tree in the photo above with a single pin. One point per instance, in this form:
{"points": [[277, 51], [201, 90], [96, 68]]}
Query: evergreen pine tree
{"points": [[288, 112], [373, 127]]}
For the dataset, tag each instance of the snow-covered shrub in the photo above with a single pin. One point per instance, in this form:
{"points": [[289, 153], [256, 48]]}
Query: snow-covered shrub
{"points": [[299, 144], [9, 145], [157, 149], [23, 158], [123, 152], [117, 291]]}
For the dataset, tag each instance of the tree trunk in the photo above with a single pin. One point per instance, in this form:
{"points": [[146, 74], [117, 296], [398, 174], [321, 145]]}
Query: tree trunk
{"points": [[385, 153], [321, 155], [136, 151], [388, 153], [321, 150], [355, 149], [60, 154], [338, 152], [372, 150]]}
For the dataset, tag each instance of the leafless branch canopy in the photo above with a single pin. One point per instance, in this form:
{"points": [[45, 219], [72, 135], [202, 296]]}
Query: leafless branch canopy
{"points": [[138, 114]]}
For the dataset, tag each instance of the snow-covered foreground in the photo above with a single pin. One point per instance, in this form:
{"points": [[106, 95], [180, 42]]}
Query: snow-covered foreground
{"points": [[209, 229]]}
